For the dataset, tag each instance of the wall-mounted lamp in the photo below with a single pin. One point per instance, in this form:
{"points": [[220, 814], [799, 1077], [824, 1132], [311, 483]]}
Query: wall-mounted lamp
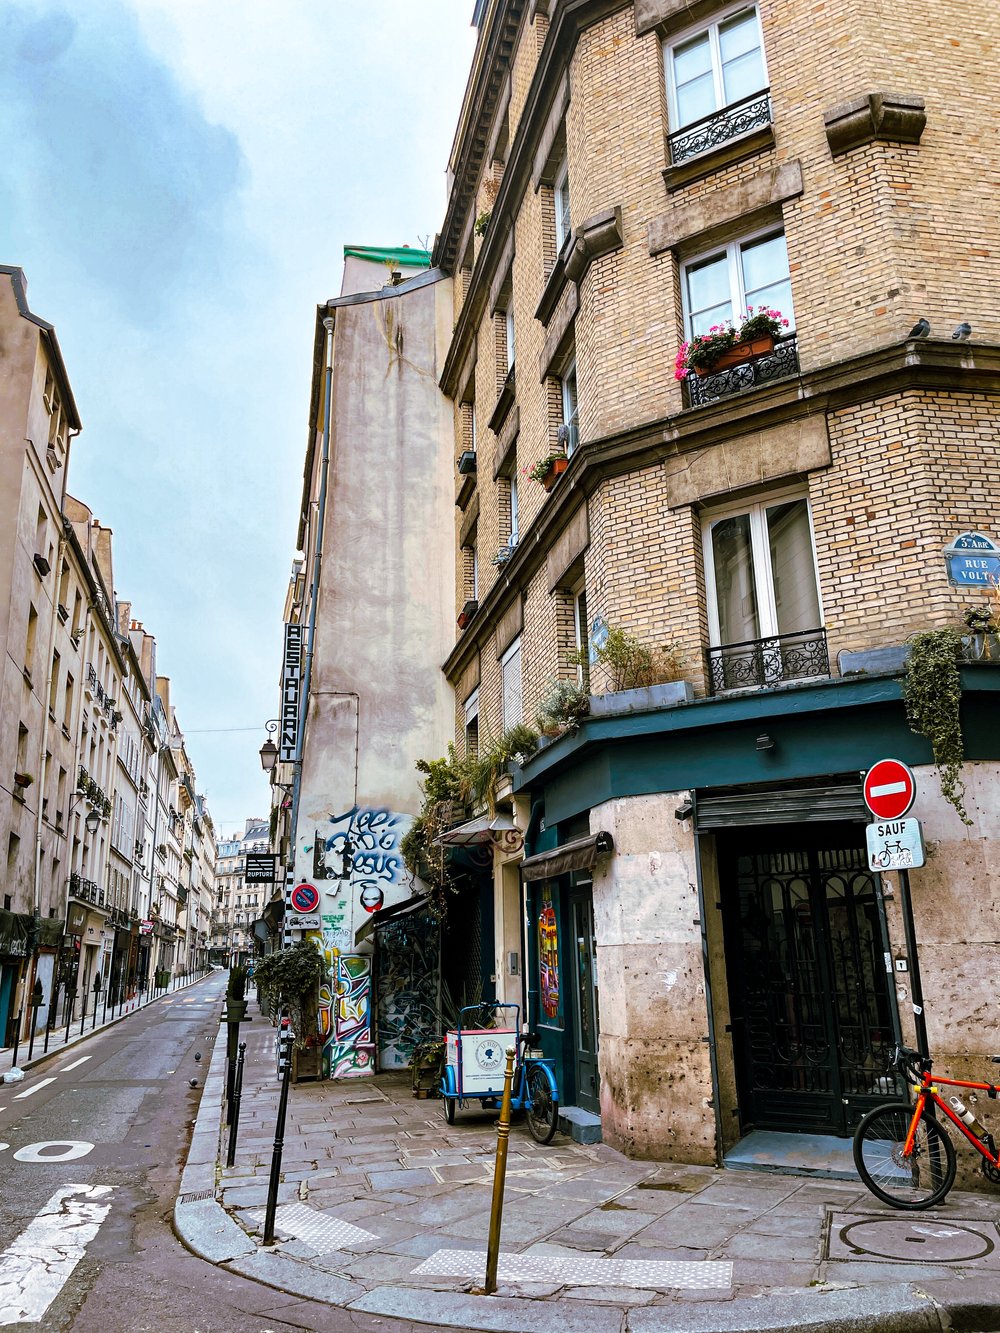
{"points": [[269, 751], [93, 821], [765, 742]]}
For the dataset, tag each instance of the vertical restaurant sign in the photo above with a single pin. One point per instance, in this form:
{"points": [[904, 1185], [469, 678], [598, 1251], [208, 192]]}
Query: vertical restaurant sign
{"points": [[291, 687]]}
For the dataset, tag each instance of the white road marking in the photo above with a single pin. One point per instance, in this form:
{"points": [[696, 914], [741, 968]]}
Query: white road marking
{"points": [[30, 1092], [76, 1063], [69, 1151], [35, 1267], [4, 1147], [887, 789]]}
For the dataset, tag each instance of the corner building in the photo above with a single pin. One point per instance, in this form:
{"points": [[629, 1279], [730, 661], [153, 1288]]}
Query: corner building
{"points": [[624, 176]]}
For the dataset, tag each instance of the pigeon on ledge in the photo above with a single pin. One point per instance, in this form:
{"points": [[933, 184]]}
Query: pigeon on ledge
{"points": [[919, 330], [962, 333]]}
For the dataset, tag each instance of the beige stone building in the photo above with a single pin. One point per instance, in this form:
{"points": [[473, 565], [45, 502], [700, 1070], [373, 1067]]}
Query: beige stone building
{"points": [[718, 959]]}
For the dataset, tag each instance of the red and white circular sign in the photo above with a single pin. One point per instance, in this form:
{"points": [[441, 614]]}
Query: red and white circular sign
{"points": [[889, 789], [304, 898]]}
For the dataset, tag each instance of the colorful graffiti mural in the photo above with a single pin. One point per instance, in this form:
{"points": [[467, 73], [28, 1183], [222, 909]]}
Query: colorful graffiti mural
{"points": [[548, 956], [409, 954], [361, 848], [346, 1018]]}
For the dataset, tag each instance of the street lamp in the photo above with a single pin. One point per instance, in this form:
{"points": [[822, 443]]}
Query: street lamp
{"points": [[93, 821], [269, 751]]}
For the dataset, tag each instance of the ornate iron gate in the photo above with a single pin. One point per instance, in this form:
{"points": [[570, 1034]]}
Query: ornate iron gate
{"points": [[812, 1017]]}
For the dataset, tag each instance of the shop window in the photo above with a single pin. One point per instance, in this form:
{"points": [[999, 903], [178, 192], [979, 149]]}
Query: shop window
{"points": [[764, 610]]}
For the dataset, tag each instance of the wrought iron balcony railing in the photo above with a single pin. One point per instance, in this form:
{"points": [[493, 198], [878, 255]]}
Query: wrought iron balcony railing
{"points": [[711, 131], [760, 663], [776, 365], [85, 890]]}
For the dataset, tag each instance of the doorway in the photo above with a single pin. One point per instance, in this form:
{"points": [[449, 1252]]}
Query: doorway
{"points": [[586, 991], [813, 1020]]}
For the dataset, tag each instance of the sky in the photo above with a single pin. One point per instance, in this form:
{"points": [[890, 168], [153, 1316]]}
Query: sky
{"points": [[179, 179]]}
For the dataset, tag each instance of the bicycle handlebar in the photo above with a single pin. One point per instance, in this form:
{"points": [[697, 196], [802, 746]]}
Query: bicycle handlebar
{"points": [[904, 1056]]}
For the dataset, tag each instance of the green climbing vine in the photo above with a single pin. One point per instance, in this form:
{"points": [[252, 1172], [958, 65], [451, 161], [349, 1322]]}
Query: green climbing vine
{"points": [[290, 979], [932, 693]]}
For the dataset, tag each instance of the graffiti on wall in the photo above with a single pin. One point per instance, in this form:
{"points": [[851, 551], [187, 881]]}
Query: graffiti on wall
{"points": [[409, 965], [360, 847], [346, 1017], [548, 956]]}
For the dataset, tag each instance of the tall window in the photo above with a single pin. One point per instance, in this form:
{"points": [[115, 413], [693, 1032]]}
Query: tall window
{"points": [[472, 724], [570, 409], [581, 635], [514, 530], [560, 190], [760, 571], [716, 67], [509, 325], [725, 284], [510, 672]]}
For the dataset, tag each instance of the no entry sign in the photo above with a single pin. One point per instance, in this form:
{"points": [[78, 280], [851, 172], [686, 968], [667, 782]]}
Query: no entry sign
{"points": [[889, 789], [304, 898]]}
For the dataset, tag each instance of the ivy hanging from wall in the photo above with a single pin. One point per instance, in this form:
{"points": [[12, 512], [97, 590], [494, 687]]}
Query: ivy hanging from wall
{"points": [[932, 693]]}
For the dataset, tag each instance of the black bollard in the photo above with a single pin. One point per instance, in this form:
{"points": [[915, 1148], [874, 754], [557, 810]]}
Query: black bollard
{"points": [[50, 1022], [97, 996], [234, 1119], [36, 1002], [69, 1020], [83, 1014], [286, 1040], [17, 1036]]}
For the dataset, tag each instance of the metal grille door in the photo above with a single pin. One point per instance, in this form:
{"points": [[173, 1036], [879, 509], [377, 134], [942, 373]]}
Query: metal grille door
{"points": [[811, 1013]]}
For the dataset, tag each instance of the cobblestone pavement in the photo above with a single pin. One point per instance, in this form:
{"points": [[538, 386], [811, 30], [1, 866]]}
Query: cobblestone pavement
{"points": [[384, 1207]]}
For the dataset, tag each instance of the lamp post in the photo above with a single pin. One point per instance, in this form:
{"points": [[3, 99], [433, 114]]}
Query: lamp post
{"points": [[269, 751]]}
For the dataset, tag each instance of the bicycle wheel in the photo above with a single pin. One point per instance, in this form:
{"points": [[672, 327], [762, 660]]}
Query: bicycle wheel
{"points": [[449, 1109], [911, 1182], [543, 1106]]}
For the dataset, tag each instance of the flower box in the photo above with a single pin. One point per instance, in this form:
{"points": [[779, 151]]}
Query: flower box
{"points": [[556, 468], [739, 352]]}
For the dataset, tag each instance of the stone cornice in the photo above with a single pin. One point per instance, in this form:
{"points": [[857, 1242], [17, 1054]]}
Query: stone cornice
{"points": [[926, 365], [569, 18]]}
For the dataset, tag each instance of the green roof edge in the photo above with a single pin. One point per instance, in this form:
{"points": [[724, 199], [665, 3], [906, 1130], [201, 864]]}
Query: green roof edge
{"points": [[404, 255]]}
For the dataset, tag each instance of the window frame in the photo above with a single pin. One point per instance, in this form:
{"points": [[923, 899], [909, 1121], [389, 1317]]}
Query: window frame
{"points": [[670, 45], [562, 202], [511, 349], [570, 398], [510, 653], [756, 507], [515, 511], [731, 250], [581, 633]]}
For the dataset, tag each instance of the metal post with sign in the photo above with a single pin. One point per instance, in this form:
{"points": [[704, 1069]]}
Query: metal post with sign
{"points": [[896, 843]]}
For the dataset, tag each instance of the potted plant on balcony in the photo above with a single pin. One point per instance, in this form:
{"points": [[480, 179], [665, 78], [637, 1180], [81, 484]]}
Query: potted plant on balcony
{"points": [[548, 469], [727, 344], [982, 640]]}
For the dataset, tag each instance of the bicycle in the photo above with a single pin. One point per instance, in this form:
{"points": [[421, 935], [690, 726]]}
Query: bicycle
{"points": [[474, 1070], [902, 1153]]}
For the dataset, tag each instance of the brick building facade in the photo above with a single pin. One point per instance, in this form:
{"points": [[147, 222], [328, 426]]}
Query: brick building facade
{"points": [[625, 175]]}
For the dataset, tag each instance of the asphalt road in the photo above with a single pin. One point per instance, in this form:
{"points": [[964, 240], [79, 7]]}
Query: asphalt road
{"points": [[124, 1096]]}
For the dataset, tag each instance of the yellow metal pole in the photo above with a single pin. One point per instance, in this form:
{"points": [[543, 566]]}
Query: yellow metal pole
{"points": [[499, 1174]]}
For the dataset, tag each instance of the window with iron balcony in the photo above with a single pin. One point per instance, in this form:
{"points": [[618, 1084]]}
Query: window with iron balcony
{"points": [[717, 87], [764, 612]]}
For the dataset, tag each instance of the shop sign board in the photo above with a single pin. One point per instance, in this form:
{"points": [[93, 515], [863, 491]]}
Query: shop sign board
{"points": [[260, 868], [973, 561], [291, 682], [895, 844]]}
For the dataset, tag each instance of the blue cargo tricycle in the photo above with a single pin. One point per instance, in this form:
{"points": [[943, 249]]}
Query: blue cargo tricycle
{"points": [[475, 1059]]}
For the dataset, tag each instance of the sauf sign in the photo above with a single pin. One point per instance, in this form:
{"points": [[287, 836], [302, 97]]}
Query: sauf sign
{"points": [[291, 689]]}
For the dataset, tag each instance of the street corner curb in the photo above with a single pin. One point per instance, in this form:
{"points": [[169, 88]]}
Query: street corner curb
{"points": [[892, 1307], [295, 1278], [971, 1305], [493, 1314], [204, 1226]]}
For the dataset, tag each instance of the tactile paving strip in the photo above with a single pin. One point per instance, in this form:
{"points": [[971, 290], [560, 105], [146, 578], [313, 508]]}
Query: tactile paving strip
{"points": [[656, 1274], [317, 1229]]}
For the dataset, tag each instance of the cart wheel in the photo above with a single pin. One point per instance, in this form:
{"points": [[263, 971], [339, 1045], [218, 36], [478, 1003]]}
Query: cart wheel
{"points": [[449, 1109], [543, 1103]]}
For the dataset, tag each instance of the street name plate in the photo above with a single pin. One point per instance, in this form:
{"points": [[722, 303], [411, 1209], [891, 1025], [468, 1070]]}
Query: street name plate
{"points": [[895, 844]]}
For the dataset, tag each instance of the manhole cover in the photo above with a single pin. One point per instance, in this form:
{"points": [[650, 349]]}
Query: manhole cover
{"points": [[914, 1239]]}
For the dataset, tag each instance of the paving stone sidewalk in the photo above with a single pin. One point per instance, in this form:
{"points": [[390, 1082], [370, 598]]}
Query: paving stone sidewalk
{"points": [[384, 1208]]}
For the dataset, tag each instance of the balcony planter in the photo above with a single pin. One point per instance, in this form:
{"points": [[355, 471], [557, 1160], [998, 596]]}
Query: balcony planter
{"points": [[467, 461], [738, 353], [467, 612], [556, 468], [23, 779], [670, 694]]}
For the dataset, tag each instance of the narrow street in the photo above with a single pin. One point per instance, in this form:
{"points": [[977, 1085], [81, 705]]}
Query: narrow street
{"points": [[113, 1117]]}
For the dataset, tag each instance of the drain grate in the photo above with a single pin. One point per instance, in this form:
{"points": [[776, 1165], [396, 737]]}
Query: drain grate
{"points": [[197, 1196]]}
